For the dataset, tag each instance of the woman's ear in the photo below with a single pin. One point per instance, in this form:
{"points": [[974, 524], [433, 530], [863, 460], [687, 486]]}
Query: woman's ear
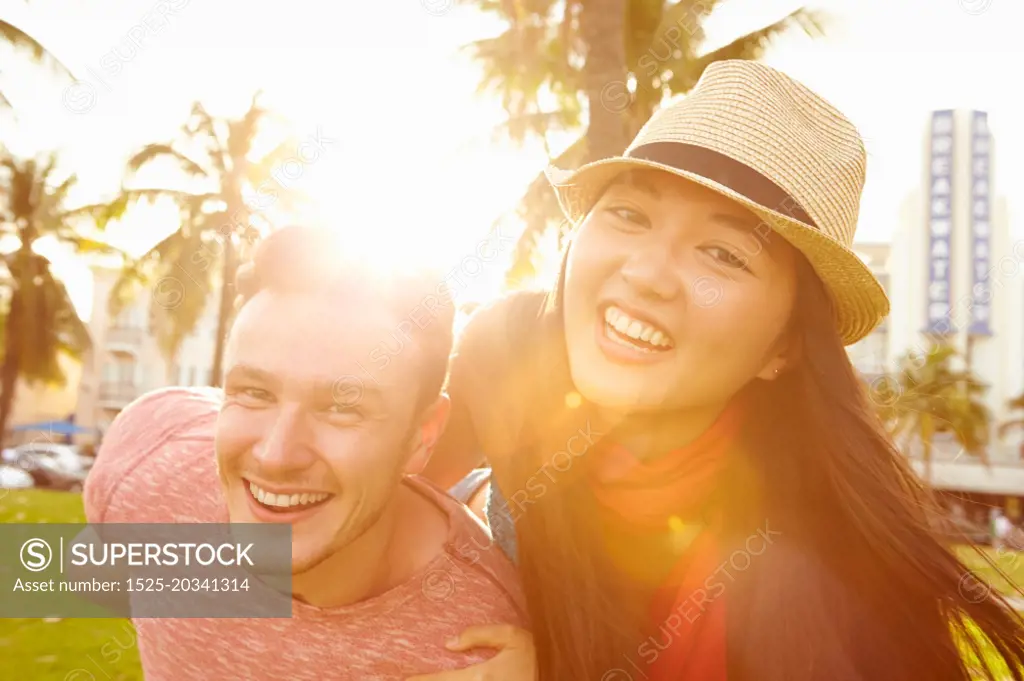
{"points": [[787, 353]]}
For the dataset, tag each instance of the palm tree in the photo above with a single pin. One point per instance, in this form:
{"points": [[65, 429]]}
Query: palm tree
{"points": [[40, 321], [33, 49], [216, 161], [610, 62], [927, 397], [1015, 405]]}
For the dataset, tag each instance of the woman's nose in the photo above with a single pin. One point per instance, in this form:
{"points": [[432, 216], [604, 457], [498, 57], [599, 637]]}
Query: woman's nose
{"points": [[652, 271]]}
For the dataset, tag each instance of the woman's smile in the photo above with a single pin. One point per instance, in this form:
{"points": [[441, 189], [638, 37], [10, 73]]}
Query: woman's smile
{"points": [[628, 337]]}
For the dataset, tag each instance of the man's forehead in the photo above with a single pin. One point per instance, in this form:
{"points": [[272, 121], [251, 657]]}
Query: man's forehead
{"points": [[314, 341], [350, 319], [336, 386]]}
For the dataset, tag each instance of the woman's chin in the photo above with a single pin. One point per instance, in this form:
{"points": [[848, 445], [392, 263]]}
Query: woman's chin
{"points": [[619, 396]]}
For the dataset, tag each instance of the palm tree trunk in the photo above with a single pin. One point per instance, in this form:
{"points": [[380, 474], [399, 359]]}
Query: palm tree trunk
{"points": [[227, 297], [926, 433], [927, 452], [602, 25], [12, 361]]}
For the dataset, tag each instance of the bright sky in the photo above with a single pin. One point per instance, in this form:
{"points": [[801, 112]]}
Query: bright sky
{"points": [[410, 162]]}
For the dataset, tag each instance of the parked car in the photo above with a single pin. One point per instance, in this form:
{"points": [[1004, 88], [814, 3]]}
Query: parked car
{"points": [[52, 466], [12, 477]]}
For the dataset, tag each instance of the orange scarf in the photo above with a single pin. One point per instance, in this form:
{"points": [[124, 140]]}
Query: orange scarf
{"points": [[690, 628]]}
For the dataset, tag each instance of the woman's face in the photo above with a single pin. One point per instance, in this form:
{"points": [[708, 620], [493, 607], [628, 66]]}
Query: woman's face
{"points": [[675, 297]]}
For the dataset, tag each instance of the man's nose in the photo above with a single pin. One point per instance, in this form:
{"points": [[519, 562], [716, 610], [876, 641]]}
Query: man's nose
{"points": [[286, 447]]}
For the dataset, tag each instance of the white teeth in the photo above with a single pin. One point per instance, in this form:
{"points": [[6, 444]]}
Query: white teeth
{"points": [[634, 328], [285, 500]]}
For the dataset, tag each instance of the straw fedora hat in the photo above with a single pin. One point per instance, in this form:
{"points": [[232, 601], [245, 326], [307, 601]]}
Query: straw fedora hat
{"points": [[764, 140]]}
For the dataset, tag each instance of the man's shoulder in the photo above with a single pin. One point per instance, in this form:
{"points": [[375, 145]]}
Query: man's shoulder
{"points": [[151, 424], [474, 555]]}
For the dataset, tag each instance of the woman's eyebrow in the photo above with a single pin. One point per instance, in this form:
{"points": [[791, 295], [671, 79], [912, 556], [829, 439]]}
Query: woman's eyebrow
{"points": [[748, 227], [745, 224], [642, 183]]}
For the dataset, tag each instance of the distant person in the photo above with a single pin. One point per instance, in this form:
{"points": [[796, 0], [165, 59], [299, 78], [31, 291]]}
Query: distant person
{"points": [[1002, 527], [315, 428]]}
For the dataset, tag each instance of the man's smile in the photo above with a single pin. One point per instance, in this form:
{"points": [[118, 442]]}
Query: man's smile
{"points": [[274, 504]]}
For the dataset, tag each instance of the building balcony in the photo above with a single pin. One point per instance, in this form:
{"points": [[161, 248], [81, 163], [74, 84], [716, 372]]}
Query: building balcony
{"points": [[117, 395], [952, 469], [125, 336]]}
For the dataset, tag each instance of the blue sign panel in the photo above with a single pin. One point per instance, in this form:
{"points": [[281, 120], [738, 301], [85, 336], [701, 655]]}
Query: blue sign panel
{"points": [[981, 226], [940, 222]]}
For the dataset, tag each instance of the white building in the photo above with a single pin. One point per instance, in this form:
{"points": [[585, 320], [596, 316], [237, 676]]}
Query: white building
{"points": [[871, 354], [126, 362], [954, 271]]}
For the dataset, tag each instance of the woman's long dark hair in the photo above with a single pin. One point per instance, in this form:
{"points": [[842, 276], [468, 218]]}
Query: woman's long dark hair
{"points": [[854, 580]]}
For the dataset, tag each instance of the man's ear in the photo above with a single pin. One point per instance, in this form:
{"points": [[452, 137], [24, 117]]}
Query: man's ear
{"points": [[431, 424]]}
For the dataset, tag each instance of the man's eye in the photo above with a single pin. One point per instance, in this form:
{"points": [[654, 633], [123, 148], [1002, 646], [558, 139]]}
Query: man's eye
{"points": [[253, 394], [344, 414]]}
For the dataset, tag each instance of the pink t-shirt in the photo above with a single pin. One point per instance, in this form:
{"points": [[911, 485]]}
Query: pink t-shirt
{"points": [[157, 465]]}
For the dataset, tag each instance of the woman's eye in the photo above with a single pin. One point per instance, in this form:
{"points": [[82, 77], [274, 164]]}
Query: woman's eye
{"points": [[633, 217], [727, 258]]}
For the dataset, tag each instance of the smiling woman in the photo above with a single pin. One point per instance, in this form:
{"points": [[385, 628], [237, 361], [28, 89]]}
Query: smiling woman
{"points": [[743, 514], [645, 225]]}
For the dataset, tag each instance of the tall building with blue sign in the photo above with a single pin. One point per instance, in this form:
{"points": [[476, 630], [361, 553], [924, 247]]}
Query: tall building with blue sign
{"points": [[954, 271]]}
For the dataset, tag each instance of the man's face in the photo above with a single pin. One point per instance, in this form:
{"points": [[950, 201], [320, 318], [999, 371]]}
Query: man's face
{"points": [[307, 435]]}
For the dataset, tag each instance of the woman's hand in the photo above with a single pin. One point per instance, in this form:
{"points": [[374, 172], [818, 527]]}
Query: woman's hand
{"points": [[516, 659]]}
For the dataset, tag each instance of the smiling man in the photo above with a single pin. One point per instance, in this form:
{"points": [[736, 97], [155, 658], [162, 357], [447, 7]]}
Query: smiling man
{"points": [[332, 402]]}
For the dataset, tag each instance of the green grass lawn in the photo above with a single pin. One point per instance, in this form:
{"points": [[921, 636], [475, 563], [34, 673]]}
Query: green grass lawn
{"points": [[62, 649], [1009, 562], [104, 649]]}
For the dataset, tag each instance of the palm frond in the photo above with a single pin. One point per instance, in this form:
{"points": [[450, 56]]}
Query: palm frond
{"points": [[85, 246], [1010, 425], [539, 210], [209, 134], [182, 290], [142, 270], [48, 322], [152, 152], [927, 396], [18, 39], [685, 74], [261, 170]]}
